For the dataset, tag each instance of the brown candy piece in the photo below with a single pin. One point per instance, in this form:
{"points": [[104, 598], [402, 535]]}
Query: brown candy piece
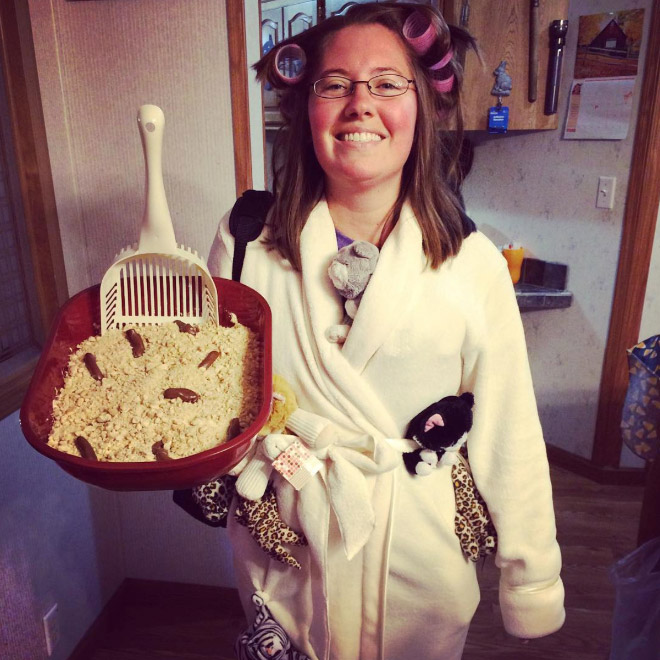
{"points": [[233, 429], [136, 342], [86, 450], [160, 452], [226, 320], [209, 360], [90, 362], [181, 393], [187, 328]]}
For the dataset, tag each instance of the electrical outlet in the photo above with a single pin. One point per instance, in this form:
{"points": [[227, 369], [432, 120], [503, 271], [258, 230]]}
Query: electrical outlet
{"points": [[606, 185], [51, 629]]}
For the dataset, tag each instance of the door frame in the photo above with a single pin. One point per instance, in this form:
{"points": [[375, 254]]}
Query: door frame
{"points": [[240, 106], [639, 224]]}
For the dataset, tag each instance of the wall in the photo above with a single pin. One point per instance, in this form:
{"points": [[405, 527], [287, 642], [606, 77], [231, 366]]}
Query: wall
{"points": [[60, 540], [98, 62], [540, 190], [59, 543]]}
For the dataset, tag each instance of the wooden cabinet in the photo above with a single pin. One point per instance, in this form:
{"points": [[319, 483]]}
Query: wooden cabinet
{"points": [[502, 30]]}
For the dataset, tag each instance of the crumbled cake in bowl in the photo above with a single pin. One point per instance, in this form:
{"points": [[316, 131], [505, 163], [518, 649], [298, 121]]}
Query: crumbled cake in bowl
{"points": [[132, 404]]}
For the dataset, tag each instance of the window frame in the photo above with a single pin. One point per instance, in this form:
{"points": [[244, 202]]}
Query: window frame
{"points": [[28, 132]]}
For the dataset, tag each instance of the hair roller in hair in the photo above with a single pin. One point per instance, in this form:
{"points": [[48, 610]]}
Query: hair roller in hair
{"points": [[290, 63], [419, 32], [442, 85], [443, 62]]}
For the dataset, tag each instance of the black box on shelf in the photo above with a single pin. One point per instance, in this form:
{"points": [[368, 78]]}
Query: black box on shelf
{"points": [[544, 273]]}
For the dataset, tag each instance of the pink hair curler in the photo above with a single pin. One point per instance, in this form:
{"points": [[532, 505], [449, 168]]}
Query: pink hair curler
{"points": [[446, 84], [443, 86], [444, 61], [419, 32], [289, 64]]}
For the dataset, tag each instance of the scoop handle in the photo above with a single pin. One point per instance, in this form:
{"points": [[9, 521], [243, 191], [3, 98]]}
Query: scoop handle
{"points": [[157, 233]]}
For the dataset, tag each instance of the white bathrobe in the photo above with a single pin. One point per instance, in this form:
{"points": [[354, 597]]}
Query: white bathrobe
{"points": [[383, 576]]}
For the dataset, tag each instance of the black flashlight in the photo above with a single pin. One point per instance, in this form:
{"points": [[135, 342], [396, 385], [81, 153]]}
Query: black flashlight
{"points": [[558, 31]]}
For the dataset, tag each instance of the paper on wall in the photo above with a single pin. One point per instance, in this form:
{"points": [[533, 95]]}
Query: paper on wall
{"points": [[599, 109]]}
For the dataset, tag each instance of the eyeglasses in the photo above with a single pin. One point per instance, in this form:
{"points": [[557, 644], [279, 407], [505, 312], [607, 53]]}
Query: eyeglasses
{"points": [[387, 84]]}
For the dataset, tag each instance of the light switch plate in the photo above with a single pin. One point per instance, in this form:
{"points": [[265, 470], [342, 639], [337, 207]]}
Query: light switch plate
{"points": [[606, 186]]}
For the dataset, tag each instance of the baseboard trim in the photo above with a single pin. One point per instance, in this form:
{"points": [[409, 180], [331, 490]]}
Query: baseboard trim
{"points": [[603, 475]]}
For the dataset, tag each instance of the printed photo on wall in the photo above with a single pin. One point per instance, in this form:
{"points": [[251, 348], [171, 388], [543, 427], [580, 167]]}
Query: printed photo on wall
{"points": [[602, 93], [609, 44]]}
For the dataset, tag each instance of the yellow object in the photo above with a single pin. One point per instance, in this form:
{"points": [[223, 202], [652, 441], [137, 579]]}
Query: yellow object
{"points": [[514, 259], [284, 403]]}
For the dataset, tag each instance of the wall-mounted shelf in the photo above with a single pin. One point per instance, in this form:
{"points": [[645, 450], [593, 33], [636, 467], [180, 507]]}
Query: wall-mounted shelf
{"points": [[532, 298]]}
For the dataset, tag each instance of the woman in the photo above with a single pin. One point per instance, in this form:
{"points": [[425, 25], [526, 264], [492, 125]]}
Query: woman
{"points": [[361, 158]]}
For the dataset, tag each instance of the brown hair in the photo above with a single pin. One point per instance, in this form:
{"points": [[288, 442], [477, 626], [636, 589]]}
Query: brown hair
{"points": [[431, 176]]}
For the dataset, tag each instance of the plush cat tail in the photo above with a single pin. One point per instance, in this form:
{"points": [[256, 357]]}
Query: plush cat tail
{"points": [[468, 397]]}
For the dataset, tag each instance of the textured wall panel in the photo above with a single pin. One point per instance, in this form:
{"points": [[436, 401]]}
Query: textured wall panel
{"points": [[98, 62]]}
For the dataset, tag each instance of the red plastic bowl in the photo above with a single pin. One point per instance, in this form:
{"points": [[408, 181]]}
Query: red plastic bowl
{"points": [[77, 320]]}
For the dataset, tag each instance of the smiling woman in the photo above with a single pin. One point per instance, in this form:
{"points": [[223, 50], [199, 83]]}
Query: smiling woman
{"points": [[416, 144], [362, 134], [370, 544]]}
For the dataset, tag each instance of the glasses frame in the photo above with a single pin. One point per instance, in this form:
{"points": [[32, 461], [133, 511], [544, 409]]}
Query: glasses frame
{"points": [[353, 83]]}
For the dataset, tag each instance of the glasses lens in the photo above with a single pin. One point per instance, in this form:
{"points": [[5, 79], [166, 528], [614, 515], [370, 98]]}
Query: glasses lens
{"points": [[332, 87], [389, 84]]}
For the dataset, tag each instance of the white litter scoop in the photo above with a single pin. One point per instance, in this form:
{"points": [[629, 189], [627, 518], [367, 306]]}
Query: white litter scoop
{"points": [[159, 281]]}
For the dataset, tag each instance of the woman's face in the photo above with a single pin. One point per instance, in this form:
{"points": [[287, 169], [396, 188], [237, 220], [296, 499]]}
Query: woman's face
{"points": [[361, 140]]}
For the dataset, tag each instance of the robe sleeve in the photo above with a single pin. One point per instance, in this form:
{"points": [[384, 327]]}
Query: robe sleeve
{"points": [[314, 430], [508, 460]]}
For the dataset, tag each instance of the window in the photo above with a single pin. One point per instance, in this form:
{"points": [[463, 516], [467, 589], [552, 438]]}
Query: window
{"points": [[15, 320], [32, 282]]}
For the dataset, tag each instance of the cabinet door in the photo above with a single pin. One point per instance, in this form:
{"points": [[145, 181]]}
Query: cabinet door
{"points": [[334, 7], [298, 17], [502, 30]]}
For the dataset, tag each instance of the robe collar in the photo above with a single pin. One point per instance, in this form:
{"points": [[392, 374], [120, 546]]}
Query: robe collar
{"points": [[386, 299]]}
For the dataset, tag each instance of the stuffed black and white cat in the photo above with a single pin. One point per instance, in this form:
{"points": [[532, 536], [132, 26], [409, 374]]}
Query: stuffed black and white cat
{"points": [[440, 431]]}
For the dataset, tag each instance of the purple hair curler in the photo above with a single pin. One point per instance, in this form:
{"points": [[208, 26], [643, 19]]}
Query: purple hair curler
{"points": [[419, 32], [289, 65]]}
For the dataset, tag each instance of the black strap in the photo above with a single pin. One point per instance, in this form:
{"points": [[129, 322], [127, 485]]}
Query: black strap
{"points": [[246, 222]]}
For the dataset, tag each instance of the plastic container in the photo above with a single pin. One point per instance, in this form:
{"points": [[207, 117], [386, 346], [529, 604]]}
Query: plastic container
{"points": [[514, 258], [79, 319], [636, 619]]}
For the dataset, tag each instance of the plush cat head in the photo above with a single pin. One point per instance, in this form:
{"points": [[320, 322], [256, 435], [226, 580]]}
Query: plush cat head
{"points": [[443, 423], [352, 267]]}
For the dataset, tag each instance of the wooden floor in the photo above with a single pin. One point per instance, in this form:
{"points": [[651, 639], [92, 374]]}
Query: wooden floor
{"points": [[596, 526]]}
